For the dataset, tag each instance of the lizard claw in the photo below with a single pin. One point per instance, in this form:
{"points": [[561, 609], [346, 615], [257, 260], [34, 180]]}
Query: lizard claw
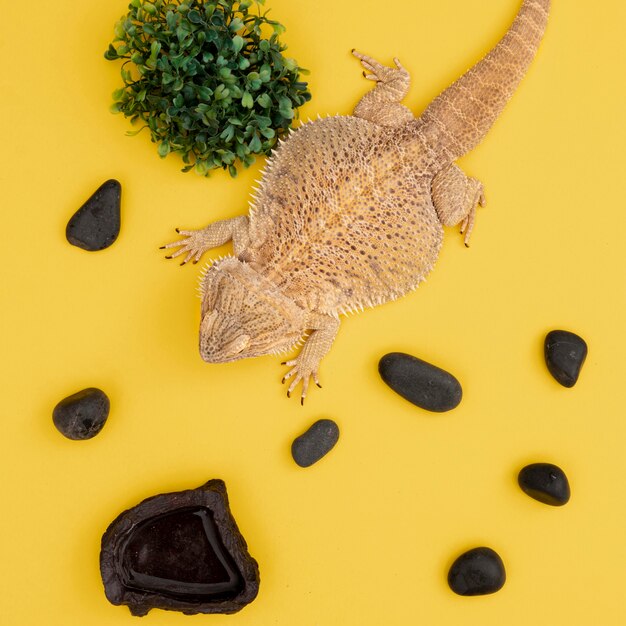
{"points": [[381, 73], [192, 246], [299, 373]]}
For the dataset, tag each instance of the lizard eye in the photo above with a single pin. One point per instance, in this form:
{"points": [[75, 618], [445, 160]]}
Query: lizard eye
{"points": [[237, 345]]}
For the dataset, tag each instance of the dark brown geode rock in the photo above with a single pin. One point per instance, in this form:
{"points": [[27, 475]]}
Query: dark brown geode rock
{"points": [[179, 551]]}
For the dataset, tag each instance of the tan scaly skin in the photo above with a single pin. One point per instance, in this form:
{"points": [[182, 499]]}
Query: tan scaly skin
{"points": [[350, 210]]}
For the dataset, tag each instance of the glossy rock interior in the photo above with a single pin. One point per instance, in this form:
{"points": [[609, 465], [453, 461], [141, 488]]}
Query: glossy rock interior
{"points": [[179, 551], [180, 554]]}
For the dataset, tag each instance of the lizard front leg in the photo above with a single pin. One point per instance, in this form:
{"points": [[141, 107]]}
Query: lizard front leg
{"points": [[456, 197], [197, 242], [382, 104], [306, 364]]}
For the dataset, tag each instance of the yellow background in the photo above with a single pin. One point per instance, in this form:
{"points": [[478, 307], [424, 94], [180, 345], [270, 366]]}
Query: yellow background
{"points": [[365, 537]]}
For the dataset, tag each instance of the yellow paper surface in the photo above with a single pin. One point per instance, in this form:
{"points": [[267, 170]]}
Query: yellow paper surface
{"points": [[366, 536]]}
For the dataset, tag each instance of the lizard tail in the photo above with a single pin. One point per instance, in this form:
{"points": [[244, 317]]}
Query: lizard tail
{"points": [[458, 119]]}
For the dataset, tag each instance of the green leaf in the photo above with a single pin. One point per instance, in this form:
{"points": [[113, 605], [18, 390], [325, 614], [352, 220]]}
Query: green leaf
{"points": [[269, 133], [264, 100], [228, 133], [243, 63], [204, 93], [247, 100], [201, 168], [255, 144], [163, 149], [111, 53], [238, 43], [171, 20], [149, 8], [290, 64], [284, 108], [279, 29], [228, 157], [235, 24], [263, 121], [221, 93], [194, 17]]}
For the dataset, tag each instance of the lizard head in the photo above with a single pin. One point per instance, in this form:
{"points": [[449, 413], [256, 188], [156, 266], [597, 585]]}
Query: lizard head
{"points": [[244, 314]]}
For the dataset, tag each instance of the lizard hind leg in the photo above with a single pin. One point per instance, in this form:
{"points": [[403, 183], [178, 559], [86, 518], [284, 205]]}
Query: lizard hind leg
{"points": [[382, 104], [456, 197]]}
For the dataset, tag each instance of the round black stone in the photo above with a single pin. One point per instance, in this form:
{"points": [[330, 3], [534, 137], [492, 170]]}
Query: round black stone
{"points": [[316, 442], [545, 482], [419, 382], [82, 415], [477, 572], [565, 353], [96, 224]]}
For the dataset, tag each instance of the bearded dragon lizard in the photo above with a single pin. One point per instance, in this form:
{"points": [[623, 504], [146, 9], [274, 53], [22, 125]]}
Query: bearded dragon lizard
{"points": [[350, 210]]}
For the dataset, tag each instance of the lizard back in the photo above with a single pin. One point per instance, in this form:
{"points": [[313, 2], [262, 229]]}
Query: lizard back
{"points": [[342, 220]]}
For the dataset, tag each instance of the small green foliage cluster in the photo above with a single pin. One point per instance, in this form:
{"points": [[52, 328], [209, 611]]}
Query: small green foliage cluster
{"points": [[208, 78]]}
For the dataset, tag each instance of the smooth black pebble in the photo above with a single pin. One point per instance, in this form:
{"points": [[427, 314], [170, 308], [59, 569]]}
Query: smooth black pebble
{"points": [[565, 353], [545, 482], [315, 443], [419, 382], [477, 572], [82, 415], [96, 224]]}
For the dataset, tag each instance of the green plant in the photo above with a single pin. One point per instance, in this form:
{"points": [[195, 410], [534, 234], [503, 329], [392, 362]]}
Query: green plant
{"points": [[207, 78]]}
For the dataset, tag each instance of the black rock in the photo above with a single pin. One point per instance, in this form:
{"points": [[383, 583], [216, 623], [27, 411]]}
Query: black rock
{"points": [[96, 224], [477, 572], [419, 382], [316, 442], [179, 551], [82, 415], [545, 482], [565, 354]]}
